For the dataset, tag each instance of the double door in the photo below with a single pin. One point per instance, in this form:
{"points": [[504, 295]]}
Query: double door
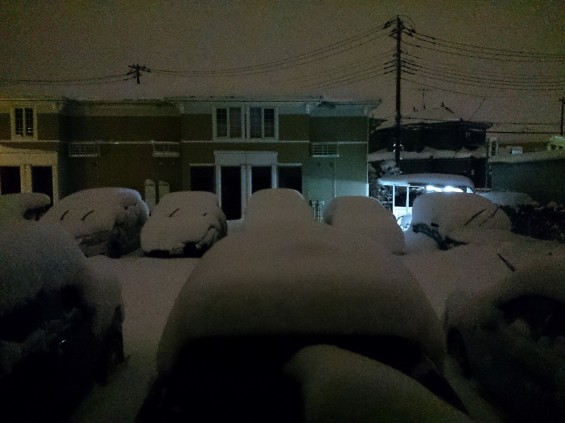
{"points": [[239, 175]]}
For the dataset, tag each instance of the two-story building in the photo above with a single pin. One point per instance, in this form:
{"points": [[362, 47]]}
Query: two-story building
{"points": [[230, 146]]}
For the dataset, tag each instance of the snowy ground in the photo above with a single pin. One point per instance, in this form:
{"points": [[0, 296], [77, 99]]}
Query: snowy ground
{"points": [[150, 286]]}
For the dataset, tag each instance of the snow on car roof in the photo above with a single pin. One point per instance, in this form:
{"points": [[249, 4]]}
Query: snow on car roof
{"points": [[447, 211], [365, 216], [339, 386], [276, 205], [14, 206], [426, 178], [36, 257], [306, 278], [94, 209]]}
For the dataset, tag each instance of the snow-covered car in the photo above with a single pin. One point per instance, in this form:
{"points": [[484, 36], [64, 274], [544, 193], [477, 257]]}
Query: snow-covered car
{"points": [[60, 324], [342, 386], [365, 216], [276, 206], [23, 206], [260, 296], [184, 223], [455, 218], [102, 220], [510, 336]]}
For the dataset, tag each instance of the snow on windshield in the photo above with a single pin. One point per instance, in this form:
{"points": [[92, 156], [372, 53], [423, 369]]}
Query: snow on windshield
{"points": [[182, 217], [276, 206], [304, 278], [342, 386], [15, 206], [96, 209], [365, 216]]}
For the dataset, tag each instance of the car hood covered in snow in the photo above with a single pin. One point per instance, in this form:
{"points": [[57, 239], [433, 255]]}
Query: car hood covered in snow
{"points": [[96, 210], [180, 218], [308, 278]]}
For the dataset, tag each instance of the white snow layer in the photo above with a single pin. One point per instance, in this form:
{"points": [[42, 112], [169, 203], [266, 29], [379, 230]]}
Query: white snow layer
{"points": [[341, 386], [304, 278], [96, 210], [181, 217], [35, 257], [447, 212], [365, 216], [282, 206], [15, 206]]}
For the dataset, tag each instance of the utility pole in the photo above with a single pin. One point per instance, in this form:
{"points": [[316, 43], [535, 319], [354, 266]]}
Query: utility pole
{"points": [[136, 70], [562, 101], [397, 140]]}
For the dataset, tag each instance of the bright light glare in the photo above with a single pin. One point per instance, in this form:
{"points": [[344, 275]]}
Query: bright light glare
{"points": [[432, 188], [448, 188]]}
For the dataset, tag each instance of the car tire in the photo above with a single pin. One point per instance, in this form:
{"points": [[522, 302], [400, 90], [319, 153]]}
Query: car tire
{"points": [[456, 349]]}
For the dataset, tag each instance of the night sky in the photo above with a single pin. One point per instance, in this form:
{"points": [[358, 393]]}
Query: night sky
{"points": [[498, 61]]}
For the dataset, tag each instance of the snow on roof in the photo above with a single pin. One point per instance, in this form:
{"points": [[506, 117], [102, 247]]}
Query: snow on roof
{"points": [[428, 153], [342, 386], [96, 209], [450, 211], [536, 156], [365, 216], [304, 278], [15, 206], [36, 257], [441, 179], [276, 205], [181, 217]]}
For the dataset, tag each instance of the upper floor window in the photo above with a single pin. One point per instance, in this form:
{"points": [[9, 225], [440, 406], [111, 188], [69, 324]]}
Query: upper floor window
{"points": [[24, 122], [240, 122]]}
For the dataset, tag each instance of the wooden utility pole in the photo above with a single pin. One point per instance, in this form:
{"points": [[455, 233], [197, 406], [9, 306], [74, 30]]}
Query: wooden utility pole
{"points": [[136, 70], [398, 117]]}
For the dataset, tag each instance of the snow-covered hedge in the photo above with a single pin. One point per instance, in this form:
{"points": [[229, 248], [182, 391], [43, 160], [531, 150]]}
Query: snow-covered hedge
{"points": [[537, 221]]}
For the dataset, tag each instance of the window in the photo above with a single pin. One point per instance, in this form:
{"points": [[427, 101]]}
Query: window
{"points": [[261, 122], [24, 122], [229, 123], [239, 122]]}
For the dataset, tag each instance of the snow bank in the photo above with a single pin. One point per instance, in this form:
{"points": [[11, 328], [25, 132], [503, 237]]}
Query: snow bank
{"points": [[15, 206], [341, 386], [282, 206], [96, 210], [365, 216], [304, 278], [182, 217]]}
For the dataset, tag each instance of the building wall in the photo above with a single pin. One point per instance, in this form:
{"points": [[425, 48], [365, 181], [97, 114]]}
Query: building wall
{"points": [[347, 128]]}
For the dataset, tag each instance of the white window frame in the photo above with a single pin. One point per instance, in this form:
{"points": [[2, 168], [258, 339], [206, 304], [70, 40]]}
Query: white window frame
{"points": [[246, 123], [25, 135]]}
